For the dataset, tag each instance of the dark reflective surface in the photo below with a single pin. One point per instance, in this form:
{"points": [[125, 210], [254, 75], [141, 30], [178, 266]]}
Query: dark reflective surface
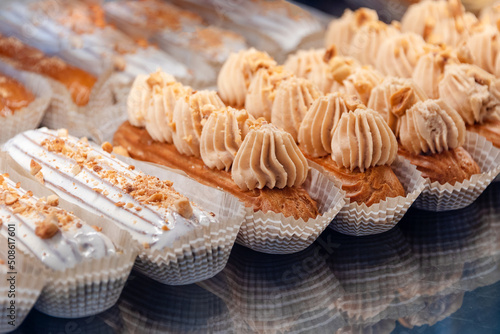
{"points": [[433, 273]]}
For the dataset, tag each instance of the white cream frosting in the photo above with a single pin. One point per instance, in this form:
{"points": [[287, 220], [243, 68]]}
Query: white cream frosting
{"points": [[316, 130], [222, 136], [190, 114], [237, 73], [431, 126], [362, 139], [269, 157], [294, 96], [74, 242], [472, 92], [148, 223]]}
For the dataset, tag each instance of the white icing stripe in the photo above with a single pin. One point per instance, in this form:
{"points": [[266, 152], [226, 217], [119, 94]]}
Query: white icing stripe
{"points": [[146, 225], [70, 246]]}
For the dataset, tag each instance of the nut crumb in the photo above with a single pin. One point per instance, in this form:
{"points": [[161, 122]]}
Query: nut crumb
{"points": [[107, 147], [39, 177], [120, 150], [48, 228], [146, 245], [97, 228], [62, 133], [76, 170], [120, 204], [35, 167], [184, 208], [53, 200], [165, 228]]}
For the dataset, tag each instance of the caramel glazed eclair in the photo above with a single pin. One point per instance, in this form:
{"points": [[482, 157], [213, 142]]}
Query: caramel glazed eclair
{"points": [[145, 206], [59, 239], [216, 145]]}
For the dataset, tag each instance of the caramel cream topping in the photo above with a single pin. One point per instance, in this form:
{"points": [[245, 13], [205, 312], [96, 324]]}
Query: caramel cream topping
{"points": [[237, 72], [472, 92], [362, 139], [398, 55], [262, 91], [431, 126], [140, 95], [190, 114], [222, 136], [294, 97], [316, 130], [269, 157], [361, 82]]}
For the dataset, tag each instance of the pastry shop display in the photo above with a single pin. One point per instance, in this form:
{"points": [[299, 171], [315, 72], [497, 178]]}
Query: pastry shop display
{"points": [[28, 285], [354, 146], [186, 309], [24, 99], [179, 32], [176, 237], [258, 289], [78, 97], [277, 26], [442, 21], [237, 72], [255, 161], [368, 293], [69, 248]]}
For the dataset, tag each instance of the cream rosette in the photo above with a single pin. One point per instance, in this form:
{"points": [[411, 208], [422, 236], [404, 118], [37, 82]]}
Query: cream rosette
{"points": [[222, 136], [472, 92], [361, 83], [430, 68], [490, 14], [190, 114], [262, 91], [293, 98], [368, 39], [393, 96], [341, 31], [453, 31], [303, 63], [484, 48], [358, 138], [398, 55], [29, 117], [237, 72], [316, 130]]}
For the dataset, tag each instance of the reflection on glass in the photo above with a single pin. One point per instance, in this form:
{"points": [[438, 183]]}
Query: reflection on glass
{"points": [[279, 293], [150, 307]]}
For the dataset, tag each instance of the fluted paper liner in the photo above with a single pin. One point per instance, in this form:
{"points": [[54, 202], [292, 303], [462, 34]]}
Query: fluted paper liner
{"points": [[359, 220], [445, 197], [27, 118], [30, 280], [273, 233], [92, 286], [203, 252], [92, 120]]}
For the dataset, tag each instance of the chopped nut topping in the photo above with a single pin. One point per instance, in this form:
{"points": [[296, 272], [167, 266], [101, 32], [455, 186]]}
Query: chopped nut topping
{"points": [[76, 170], [11, 199], [184, 208], [53, 200], [165, 228], [121, 151], [48, 228], [39, 177], [34, 167], [120, 204], [107, 147], [62, 133], [97, 228]]}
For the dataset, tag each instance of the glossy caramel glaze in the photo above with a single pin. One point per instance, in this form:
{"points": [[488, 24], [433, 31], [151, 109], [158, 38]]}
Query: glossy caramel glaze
{"points": [[13, 95], [291, 201], [450, 166], [373, 185], [24, 57], [489, 129]]}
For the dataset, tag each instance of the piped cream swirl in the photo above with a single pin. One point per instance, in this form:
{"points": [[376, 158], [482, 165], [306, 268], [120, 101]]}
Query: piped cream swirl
{"points": [[362, 139], [190, 114], [316, 130], [140, 95], [222, 136], [237, 72], [293, 98], [431, 126], [398, 55], [269, 157], [361, 82], [472, 92]]}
